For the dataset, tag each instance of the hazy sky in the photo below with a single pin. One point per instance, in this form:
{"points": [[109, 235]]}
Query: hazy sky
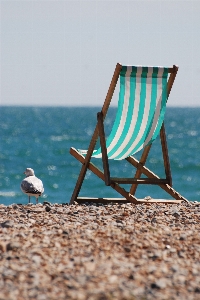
{"points": [[65, 52]]}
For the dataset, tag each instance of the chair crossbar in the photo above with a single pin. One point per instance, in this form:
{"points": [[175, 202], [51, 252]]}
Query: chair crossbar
{"points": [[105, 201], [139, 180]]}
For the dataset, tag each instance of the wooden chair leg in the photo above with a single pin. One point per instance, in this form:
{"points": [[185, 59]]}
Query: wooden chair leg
{"points": [[139, 170], [165, 155], [103, 148]]}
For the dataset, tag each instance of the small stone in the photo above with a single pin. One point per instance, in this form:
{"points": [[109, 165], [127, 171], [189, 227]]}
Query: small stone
{"points": [[176, 214], [12, 246], [175, 268], [167, 247], [22, 215], [127, 249], [47, 208], [60, 231], [195, 271], [152, 269], [65, 232], [181, 254], [46, 203], [159, 284], [131, 276], [182, 237], [197, 290], [2, 247], [118, 221], [7, 224], [153, 220]]}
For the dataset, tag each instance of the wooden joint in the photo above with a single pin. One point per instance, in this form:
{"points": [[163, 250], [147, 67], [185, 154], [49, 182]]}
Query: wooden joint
{"points": [[99, 115], [175, 68], [140, 166], [169, 179]]}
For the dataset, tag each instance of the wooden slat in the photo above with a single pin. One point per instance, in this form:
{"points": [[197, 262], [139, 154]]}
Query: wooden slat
{"points": [[139, 171], [139, 180], [171, 79], [103, 148], [165, 155], [102, 200], [111, 89], [81, 200]]}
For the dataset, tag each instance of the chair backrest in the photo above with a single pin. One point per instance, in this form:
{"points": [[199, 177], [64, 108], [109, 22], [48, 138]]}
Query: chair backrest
{"points": [[140, 113]]}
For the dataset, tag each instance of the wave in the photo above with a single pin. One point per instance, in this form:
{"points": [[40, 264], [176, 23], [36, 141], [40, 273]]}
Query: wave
{"points": [[8, 194]]}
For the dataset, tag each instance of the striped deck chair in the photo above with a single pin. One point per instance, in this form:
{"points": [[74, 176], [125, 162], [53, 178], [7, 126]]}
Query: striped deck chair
{"points": [[140, 118]]}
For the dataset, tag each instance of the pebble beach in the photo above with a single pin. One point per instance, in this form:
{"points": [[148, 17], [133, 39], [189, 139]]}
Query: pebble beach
{"points": [[96, 252]]}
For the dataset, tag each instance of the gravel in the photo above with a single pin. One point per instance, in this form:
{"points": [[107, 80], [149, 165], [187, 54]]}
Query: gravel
{"points": [[100, 252]]}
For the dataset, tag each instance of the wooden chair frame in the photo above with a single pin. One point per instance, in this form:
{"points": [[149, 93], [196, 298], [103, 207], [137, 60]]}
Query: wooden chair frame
{"points": [[113, 182]]}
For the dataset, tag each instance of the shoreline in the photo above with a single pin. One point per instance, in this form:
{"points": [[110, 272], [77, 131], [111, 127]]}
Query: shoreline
{"points": [[115, 251]]}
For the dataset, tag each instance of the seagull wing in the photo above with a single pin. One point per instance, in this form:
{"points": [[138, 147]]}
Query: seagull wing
{"points": [[32, 185]]}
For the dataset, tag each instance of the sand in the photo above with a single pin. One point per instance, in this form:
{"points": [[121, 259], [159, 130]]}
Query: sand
{"points": [[100, 251]]}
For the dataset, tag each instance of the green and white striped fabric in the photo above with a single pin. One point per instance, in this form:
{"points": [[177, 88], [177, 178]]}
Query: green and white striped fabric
{"points": [[141, 109]]}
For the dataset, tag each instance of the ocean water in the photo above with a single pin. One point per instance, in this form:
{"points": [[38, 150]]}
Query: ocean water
{"points": [[40, 138]]}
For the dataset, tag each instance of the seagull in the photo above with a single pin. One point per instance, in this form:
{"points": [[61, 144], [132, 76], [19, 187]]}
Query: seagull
{"points": [[31, 185]]}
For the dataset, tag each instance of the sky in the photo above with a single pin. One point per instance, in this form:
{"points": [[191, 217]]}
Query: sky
{"points": [[63, 53]]}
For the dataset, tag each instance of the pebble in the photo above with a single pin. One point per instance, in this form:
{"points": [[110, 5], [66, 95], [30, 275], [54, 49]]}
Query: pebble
{"points": [[95, 251], [7, 224], [47, 208]]}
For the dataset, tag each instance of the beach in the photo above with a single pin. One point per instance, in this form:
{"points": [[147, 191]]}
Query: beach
{"points": [[95, 251]]}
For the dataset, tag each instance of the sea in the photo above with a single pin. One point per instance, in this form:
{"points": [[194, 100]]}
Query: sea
{"points": [[41, 137]]}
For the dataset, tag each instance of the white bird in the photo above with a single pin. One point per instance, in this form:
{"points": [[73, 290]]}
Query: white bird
{"points": [[31, 185]]}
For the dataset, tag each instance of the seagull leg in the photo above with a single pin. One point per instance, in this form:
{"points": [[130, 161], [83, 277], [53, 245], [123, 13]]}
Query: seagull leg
{"points": [[29, 199], [37, 200]]}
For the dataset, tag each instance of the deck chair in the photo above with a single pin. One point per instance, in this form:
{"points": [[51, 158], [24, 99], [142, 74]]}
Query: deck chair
{"points": [[139, 120]]}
